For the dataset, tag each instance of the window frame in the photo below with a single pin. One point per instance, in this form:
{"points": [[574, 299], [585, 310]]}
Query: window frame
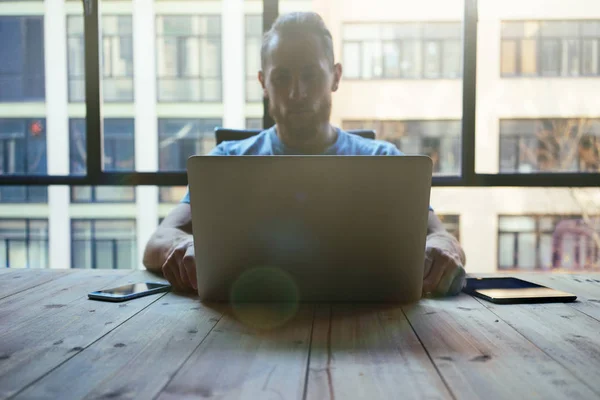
{"points": [[28, 239], [179, 74], [93, 240], [112, 37], [468, 178], [422, 39], [539, 232], [540, 40]]}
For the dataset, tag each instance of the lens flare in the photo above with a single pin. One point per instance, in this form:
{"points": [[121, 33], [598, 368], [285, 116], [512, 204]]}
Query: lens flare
{"points": [[264, 297]]}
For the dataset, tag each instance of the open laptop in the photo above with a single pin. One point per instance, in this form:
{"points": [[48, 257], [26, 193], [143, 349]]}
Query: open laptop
{"points": [[309, 228]]}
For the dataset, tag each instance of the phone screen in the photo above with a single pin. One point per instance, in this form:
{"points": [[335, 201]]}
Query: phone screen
{"points": [[131, 289], [512, 288]]}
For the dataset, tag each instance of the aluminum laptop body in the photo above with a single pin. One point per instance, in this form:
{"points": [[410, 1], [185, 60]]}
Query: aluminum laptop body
{"points": [[309, 228]]}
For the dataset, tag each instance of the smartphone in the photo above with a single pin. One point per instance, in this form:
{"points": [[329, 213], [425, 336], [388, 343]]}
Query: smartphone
{"points": [[508, 290], [128, 292]]}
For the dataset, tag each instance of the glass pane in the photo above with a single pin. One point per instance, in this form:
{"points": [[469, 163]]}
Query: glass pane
{"points": [[181, 138], [517, 224], [352, 60], [546, 246], [551, 57], [189, 58], [432, 59], [555, 145], [529, 57], [590, 57], [22, 73], [126, 255], [38, 254], [439, 140], [527, 251], [105, 250], [17, 254], [506, 246]]}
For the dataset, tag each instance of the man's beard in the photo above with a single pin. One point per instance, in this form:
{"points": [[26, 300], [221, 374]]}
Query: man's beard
{"points": [[303, 128]]}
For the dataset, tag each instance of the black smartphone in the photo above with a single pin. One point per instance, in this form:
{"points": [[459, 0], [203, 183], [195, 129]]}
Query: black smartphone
{"points": [[509, 290], [128, 292]]}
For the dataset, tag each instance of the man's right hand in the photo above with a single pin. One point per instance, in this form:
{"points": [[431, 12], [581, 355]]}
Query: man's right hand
{"points": [[180, 267]]}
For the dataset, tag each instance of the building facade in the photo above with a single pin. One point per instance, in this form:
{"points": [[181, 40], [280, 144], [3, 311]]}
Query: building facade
{"points": [[171, 76]]}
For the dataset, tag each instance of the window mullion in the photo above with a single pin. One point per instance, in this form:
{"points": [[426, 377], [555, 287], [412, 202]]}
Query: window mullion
{"points": [[93, 90]]}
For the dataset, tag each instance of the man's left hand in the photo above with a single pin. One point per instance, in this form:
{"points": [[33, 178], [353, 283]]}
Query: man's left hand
{"points": [[444, 273]]}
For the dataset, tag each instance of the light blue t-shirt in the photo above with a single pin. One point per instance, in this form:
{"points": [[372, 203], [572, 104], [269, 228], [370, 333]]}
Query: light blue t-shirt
{"points": [[267, 143]]}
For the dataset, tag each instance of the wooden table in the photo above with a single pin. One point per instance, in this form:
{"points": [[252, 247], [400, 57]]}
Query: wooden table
{"points": [[57, 344]]}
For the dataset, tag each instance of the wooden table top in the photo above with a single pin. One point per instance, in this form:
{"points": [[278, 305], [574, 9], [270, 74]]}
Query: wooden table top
{"points": [[57, 344]]}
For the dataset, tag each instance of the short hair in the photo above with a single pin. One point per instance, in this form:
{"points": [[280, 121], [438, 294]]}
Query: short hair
{"points": [[298, 23]]}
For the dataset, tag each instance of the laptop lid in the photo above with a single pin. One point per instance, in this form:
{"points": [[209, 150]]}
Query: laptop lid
{"points": [[309, 228]]}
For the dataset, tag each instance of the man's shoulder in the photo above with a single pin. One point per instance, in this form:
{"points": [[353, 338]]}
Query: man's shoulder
{"points": [[371, 147], [254, 145]]}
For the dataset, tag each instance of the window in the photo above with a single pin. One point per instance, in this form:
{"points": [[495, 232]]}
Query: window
{"points": [[178, 140], [189, 58], [23, 151], [550, 48], [550, 145], [439, 140], [23, 243], [22, 55], [119, 155], [415, 50], [547, 242], [254, 91], [117, 58], [103, 244], [181, 138], [451, 223]]}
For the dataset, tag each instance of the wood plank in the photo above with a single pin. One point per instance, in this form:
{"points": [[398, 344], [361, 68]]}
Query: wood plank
{"points": [[48, 298], [547, 325], [369, 351], [587, 289], [17, 280], [42, 344], [481, 356], [242, 359], [137, 359]]}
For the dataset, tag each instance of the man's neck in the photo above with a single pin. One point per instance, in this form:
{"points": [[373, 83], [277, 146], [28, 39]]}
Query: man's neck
{"points": [[326, 136]]}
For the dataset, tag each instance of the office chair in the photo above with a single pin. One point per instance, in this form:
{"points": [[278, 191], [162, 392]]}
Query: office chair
{"points": [[224, 134]]}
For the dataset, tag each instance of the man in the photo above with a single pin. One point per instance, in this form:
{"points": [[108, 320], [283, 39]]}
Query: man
{"points": [[298, 77]]}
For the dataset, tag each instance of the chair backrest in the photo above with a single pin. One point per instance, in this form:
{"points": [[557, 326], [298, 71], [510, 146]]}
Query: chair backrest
{"points": [[224, 134]]}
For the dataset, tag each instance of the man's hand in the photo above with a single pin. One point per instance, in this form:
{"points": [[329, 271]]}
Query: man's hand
{"points": [[180, 267], [444, 273]]}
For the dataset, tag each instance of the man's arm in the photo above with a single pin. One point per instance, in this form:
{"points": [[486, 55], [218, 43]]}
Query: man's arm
{"points": [[170, 250], [444, 272]]}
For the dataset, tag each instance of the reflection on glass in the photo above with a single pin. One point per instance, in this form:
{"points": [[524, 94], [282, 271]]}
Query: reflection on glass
{"points": [[440, 140], [181, 138], [550, 145], [549, 242]]}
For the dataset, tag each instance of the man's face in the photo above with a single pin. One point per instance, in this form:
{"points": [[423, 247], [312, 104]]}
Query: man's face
{"points": [[298, 79]]}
